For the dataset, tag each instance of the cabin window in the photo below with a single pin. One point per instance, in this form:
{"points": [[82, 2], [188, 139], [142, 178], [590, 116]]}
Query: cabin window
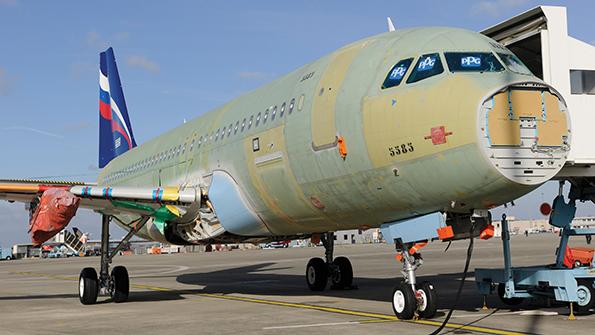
{"points": [[223, 132], [199, 141], [291, 105], [217, 135], [243, 124], [396, 74], [250, 121], [258, 119], [514, 64], [427, 66], [282, 110], [265, 116], [229, 129], [274, 113], [301, 102], [472, 62], [235, 130]]}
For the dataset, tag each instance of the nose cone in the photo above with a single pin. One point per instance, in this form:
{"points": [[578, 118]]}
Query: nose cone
{"points": [[525, 132]]}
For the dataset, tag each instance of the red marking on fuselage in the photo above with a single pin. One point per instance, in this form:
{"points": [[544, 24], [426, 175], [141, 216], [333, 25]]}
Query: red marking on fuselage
{"points": [[438, 135]]}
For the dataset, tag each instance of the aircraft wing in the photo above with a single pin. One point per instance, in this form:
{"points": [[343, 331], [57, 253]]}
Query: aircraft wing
{"points": [[104, 199]]}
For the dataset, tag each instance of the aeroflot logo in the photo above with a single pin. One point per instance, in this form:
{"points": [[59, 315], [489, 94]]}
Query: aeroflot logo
{"points": [[471, 61], [427, 64]]}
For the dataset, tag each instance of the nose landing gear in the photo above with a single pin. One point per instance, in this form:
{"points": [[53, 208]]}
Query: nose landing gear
{"points": [[116, 284], [409, 297], [338, 270]]}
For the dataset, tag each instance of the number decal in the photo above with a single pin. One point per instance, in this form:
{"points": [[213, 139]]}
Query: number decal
{"points": [[401, 149]]}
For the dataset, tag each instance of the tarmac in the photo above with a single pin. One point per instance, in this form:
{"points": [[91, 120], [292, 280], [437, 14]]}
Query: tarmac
{"points": [[264, 292]]}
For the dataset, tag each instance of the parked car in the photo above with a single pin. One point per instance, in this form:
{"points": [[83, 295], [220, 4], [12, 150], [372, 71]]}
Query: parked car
{"points": [[578, 256], [5, 254]]}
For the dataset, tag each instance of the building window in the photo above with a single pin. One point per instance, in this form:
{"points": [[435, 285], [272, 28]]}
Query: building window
{"points": [[582, 82]]}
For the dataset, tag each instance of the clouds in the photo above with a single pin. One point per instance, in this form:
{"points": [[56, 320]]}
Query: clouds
{"points": [[8, 2], [33, 130], [143, 63], [496, 8], [6, 83], [253, 75], [96, 41]]}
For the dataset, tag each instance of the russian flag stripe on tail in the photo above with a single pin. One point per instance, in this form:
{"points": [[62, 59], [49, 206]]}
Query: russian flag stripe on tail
{"points": [[115, 130]]}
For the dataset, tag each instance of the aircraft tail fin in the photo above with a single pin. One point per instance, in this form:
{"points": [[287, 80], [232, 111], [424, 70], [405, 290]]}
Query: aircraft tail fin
{"points": [[115, 130]]}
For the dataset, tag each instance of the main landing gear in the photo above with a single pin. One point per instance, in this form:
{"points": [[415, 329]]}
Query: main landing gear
{"points": [[410, 297], [339, 270], [116, 284]]}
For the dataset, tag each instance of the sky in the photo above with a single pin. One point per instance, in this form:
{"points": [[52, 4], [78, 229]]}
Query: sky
{"points": [[178, 61]]}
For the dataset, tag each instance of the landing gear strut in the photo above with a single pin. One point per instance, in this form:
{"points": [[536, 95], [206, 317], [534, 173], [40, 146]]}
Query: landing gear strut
{"points": [[339, 270], [408, 296], [116, 284]]}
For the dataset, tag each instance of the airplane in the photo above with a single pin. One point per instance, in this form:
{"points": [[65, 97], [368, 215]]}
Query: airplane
{"points": [[419, 131]]}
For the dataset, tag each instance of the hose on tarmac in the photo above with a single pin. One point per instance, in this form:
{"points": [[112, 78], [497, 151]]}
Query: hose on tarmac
{"points": [[458, 296]]}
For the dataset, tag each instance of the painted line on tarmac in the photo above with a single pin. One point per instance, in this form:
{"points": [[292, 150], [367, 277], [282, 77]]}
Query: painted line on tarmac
{"points": [[343, 311], [313, 325]]}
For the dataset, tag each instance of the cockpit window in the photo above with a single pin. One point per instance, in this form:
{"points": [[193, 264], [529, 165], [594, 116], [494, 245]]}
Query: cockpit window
{"points": [[473, 62], [514, 64], [396, 74], [427, 66]]}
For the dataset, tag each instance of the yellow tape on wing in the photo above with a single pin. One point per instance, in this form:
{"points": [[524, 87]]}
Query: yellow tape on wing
{"points": [[170, 194]]}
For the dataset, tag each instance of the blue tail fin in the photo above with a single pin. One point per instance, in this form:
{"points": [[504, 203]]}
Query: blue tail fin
{"points": [[115, 130]]}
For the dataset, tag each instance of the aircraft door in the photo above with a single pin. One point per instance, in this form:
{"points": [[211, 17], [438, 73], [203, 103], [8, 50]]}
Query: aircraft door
{"points": [[324, 132]]}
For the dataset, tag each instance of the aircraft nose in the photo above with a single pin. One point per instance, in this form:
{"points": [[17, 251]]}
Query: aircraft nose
{"points": [[525, 132]]}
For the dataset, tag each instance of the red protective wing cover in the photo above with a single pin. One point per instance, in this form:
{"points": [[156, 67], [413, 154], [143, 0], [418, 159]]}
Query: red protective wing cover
{"points": [[56, 208]]}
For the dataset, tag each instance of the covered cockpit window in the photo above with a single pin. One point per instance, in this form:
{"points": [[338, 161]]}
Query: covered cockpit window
{"points": [[427, 66], [396, 74], [472, 62], [514, 64]]}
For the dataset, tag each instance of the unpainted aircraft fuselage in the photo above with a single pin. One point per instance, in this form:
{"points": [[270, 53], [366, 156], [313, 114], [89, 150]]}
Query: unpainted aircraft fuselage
{"points": [[330, 146]]}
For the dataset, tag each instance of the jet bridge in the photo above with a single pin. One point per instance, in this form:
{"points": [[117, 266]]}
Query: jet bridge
{"points": [[539, 37]]}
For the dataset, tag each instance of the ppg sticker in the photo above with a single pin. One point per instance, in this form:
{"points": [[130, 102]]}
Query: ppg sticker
{"points": [[471, 61], [398, 73], [427, 64]]}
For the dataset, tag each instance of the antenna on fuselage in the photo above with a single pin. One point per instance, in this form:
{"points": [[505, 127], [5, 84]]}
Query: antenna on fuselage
{"points": [[391, 26]]}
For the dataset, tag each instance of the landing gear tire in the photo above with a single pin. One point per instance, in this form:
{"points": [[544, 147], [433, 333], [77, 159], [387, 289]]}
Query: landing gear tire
{"points": [[586, 296], [121, 284], [426, 300], [316, 274], [342, 277], [404, 302], [88, 286], [508, 301]]}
